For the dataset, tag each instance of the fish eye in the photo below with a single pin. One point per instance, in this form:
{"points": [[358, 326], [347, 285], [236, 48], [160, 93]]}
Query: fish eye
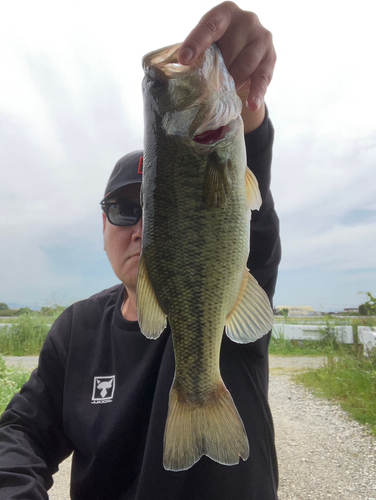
{"points": [[156, 84]]}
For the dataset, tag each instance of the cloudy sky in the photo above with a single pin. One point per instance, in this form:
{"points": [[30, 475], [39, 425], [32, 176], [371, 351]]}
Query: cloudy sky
{"points": [[71, 106]]}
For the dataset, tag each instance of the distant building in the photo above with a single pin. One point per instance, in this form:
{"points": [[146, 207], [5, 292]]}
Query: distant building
{"points": [[297, 310], [351, 310]]}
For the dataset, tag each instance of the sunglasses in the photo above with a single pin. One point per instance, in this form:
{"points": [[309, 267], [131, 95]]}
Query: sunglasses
{"points": [[122, 213]]}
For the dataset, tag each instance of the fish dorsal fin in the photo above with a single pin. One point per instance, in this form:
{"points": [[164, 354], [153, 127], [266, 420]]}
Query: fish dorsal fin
{"points": [[216, 181], [151, 318], [252, 315], [253, 191]]}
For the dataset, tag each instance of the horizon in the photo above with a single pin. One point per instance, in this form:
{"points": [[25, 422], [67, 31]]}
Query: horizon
{"points": [[14, 306]]}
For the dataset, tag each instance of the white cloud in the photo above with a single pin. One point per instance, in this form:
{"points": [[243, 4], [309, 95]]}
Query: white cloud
{"points": [[71, 105], [339, 248]]}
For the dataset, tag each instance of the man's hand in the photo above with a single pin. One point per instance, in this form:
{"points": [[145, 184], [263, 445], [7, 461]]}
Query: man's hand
{"points": [[246, 46]]}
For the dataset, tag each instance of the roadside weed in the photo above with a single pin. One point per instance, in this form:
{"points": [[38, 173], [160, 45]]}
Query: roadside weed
{"points": [[350, 380], [11, 380], [24, 336]]}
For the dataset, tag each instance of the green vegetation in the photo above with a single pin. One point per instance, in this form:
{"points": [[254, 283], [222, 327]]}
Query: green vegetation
{"points": [[24, 335], [348, 376], [11, 380], [5, 311], [349, 379], [283, 347], [369, 307]]}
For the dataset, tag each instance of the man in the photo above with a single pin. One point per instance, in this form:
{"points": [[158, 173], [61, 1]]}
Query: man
{"points": [[101, 388]]}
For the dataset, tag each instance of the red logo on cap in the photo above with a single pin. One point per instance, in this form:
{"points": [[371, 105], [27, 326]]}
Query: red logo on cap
{"points": [[140, 165]]}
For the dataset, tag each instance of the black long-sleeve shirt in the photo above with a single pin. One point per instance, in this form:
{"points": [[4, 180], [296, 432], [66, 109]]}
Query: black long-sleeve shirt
{"points": [[101, 390]]}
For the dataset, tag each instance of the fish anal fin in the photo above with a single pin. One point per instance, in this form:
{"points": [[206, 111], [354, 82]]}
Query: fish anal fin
{"points": [[253, 192], [216, 181], [151, 318], [214, 429], [252, 315]]}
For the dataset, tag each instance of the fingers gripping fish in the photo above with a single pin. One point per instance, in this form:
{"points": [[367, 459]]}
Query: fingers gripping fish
{"points": [[197, 195]]}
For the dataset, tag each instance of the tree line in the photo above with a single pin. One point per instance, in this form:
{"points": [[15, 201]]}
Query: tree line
{"points": [[5, 310]]}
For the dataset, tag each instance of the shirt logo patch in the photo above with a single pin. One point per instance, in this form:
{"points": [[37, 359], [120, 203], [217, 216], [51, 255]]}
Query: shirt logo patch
{"points": [[103, 389]]}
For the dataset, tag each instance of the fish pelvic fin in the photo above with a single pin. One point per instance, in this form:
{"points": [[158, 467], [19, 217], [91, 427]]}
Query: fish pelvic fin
{"points": [[151, 318], [252, 315], [253, 192], [214, 429]]}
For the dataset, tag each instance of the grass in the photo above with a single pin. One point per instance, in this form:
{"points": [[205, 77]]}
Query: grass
{"points": [[283, 347], [350, 380], [11, 380], [348, 377], [24, 336]]}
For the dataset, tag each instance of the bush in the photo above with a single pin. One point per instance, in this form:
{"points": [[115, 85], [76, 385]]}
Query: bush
{"points": [[52, 311], [8, 312], [11, 381], [24, 336], [369, 307]]}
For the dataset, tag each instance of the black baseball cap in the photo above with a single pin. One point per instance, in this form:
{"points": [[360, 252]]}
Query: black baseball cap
{"points": [[128, 170]]}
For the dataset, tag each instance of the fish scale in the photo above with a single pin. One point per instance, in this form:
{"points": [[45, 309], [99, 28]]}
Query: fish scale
{"points": [[195, 244]]}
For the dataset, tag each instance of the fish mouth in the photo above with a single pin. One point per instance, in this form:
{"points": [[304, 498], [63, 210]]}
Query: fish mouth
{"points": [[210, 137]]}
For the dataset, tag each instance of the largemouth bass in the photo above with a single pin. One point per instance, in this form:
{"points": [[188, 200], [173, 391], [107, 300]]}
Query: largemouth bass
{"points": [[197, 193]]}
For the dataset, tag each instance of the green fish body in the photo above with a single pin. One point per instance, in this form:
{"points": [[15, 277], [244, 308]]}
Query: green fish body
{"points": [[197, 193]]}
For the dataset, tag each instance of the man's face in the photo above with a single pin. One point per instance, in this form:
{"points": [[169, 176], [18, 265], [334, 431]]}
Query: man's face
{"points": [[123, 244]]}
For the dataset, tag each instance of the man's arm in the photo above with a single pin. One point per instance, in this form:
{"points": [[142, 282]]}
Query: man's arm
{"points": [[265, 253]]}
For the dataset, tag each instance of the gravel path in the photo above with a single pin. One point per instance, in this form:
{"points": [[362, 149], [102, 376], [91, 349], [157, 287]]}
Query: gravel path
{"points": [[322, 454], [25, 362]]}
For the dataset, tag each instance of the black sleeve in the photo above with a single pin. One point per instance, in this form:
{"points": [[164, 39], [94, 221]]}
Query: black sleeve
{"points": [[265, 253], [32, 440], [265, 245]]}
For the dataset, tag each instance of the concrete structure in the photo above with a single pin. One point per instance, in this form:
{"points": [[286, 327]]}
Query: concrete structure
{"points": [[343, 334], [295, 311], [367, 336], [297, 332]]}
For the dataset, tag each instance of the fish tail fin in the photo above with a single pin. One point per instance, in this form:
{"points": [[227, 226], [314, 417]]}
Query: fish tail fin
{"points": [[214, 429]]}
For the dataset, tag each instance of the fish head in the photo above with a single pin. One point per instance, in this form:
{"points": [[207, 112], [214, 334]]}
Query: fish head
{"points": [[196, 102]]}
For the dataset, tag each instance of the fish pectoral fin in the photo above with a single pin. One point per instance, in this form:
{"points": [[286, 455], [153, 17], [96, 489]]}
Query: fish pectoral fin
{"points": [[151, 318], [216, 181], [253, 192], [252, 315], [213, 428]]}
